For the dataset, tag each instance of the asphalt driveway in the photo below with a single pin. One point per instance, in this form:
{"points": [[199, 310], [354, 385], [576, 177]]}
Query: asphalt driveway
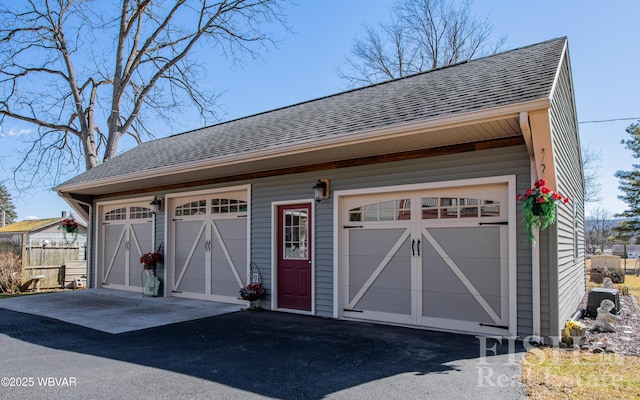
{"points": [[250, 355]]}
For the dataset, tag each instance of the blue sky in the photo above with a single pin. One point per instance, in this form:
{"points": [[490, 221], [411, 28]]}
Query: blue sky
{"points": [[603, 45]]}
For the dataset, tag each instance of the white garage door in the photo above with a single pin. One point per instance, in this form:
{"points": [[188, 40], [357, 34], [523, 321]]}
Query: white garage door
{"points": [[433, 258], [126, 233], [210, 245]]}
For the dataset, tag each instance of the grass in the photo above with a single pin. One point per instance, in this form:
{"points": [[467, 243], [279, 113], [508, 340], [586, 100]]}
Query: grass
{"points": [[632, 282], [549, 373], [552, 373]]}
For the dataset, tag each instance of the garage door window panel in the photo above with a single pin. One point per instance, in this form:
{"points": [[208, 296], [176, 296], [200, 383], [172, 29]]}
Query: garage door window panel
{"points": [[198, 207], [225, 206], [392, 210], [450, 207]]}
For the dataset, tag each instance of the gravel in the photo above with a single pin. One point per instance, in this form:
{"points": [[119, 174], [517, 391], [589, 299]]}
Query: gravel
{"points": [[626, 338]]}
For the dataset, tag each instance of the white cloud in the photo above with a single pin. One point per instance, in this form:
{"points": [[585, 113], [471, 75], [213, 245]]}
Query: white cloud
{"points": [[13, 132]]}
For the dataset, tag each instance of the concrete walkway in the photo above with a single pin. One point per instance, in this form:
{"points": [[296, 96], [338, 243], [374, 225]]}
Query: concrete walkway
{"points": [[115, 311]]}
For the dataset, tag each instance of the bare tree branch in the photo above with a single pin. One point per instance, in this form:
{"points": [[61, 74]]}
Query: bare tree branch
{"points": [[82, 101], [424, 34], [591, 163]]}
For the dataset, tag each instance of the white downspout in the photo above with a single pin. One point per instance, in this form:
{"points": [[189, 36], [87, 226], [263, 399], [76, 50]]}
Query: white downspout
{"points": [[88, 251]]}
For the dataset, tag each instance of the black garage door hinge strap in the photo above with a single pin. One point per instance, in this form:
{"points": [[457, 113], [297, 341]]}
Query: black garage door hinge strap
{"points": [[351, 310], [352, 226], [494, 326], [494, 223]]}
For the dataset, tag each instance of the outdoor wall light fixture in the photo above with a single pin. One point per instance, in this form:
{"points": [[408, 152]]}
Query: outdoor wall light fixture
{"points": [[156, 204], [321, 190]]}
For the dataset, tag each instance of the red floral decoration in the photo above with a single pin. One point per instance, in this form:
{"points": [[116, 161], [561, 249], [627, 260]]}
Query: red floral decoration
{"points": [[69, 225], [151, 260], [252, 292], [539, 206]]}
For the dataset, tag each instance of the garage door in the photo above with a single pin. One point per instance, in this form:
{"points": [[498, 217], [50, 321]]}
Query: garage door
{"points": [[433, 258], [210, 245], [126, 233]]}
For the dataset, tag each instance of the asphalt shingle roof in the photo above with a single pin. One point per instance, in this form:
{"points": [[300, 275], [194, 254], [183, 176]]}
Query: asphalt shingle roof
{"points": [[512, 77]]}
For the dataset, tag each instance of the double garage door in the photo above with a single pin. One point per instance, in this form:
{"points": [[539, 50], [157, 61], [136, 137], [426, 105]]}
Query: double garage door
{"points": [[206, 254], [433, 258]]}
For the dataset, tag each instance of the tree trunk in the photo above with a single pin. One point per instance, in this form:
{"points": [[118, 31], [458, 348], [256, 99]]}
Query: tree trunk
{"points": [[90, 152]]}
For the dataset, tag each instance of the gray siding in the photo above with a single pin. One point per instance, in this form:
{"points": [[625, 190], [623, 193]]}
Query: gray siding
{"points": [[160, 241], [568, 285], [294, 187], [505, 161], [92, 248]]}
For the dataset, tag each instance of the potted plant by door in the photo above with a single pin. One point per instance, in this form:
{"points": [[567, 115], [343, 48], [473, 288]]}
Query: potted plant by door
{"points": [[539, 206], [252, 292]]}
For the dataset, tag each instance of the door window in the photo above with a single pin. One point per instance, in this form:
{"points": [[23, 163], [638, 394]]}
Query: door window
{"points": [[296, 228]]}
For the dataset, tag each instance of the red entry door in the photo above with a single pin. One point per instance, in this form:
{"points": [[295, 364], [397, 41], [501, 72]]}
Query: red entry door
{"points": [[294, 256]]}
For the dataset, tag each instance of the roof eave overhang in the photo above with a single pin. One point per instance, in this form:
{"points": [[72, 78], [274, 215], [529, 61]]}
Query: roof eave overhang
{"points": [[388, 132]]}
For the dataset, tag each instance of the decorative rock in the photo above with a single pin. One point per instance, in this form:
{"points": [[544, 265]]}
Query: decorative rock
{"points": [[604, 318], [597, 350], [607, 283]]}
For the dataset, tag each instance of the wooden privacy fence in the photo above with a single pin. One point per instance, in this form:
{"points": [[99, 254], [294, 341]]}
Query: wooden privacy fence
{"points": [[34, 256], [56, 266], [73, 275], [12, 247]]}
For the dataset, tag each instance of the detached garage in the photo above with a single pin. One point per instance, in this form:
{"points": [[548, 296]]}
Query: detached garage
{"points": [[414, 220]]}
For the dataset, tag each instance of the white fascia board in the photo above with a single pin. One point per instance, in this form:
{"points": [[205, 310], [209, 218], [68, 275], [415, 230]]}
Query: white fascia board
{"points": [[324, 143], [564, 54]]}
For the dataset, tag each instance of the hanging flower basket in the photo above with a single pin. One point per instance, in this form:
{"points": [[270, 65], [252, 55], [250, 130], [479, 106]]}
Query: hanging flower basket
{"points": [[539, 206], [69, 225]]}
